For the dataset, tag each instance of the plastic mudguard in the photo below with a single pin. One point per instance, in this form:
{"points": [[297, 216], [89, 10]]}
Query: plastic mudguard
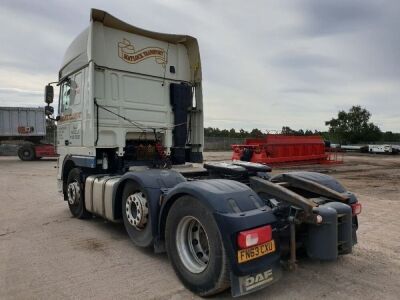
{"points": [[255, 274], [236, 208], [242, 285]]}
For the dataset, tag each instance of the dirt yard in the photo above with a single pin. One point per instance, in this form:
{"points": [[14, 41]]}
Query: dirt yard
{"points": [[47, 254]]}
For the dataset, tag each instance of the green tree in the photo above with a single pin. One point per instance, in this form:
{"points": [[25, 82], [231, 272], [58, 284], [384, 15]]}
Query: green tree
{"points": [[257, 133], [353, 126], [287, 130]]}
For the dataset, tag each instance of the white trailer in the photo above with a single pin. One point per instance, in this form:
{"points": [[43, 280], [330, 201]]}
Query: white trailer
{"points": [[22, 123], [26, 126], [387, 149]]}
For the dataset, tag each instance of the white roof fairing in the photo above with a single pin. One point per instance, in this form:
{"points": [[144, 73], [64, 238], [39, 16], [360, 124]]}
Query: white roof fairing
{"points": [[79, 53], [76, 55]]}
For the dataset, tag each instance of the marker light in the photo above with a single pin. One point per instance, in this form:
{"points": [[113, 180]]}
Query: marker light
{"points": [[356, 208], [319, 219]]}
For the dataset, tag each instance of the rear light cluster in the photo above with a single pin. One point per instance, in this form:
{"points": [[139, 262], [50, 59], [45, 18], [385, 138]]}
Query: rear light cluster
{"points": [[254, 237], [356, 208]]}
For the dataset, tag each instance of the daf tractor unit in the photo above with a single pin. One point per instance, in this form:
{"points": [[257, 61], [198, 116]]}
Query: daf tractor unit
{"points": [[129, 138]]}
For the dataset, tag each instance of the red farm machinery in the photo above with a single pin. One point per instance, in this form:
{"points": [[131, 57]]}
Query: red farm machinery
{"points": [[276, 149]]}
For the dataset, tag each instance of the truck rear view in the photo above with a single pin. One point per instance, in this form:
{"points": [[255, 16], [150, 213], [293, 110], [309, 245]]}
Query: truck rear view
{"points": [[130, 109]]}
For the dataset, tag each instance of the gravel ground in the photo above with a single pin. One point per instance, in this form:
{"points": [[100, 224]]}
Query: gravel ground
{"points": [[46, 254]]}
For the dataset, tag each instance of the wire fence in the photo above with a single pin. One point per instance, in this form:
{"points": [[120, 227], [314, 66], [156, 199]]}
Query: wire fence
{"points": [[224, 143], [220, 143]]}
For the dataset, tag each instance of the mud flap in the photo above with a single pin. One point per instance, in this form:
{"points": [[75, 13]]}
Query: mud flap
{"points": [[253, 282]]}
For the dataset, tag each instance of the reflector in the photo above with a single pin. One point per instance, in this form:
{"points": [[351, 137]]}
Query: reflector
{"points": [[356, 208]]}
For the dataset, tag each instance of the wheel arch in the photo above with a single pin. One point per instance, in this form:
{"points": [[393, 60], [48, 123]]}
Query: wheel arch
{"points": [[218, 195], [153, 182], [234, 206], [164, 211]]}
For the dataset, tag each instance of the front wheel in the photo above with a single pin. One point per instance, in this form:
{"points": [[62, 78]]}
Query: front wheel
{"points": [[75, 194], [195, 247]]}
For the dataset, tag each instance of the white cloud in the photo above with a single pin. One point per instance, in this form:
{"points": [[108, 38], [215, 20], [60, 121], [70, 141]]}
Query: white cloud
{"points": [[266, 64]]}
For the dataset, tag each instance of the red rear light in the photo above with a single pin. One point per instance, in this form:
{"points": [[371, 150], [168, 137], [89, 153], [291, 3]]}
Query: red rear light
{"points": [[254, 236], [356, 208]]}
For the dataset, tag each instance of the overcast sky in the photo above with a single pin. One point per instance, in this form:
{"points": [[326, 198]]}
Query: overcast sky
{"points": [[266, 64]]}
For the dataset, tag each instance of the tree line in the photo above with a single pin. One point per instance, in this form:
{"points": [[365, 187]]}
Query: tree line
{"points": [[254, 133], [349, 127]]}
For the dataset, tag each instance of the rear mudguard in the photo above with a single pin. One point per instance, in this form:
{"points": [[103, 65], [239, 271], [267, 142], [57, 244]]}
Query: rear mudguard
{"points": [[235, 207], [323, 179]]}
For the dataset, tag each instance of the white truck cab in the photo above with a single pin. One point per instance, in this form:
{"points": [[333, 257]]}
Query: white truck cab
{"points": [[127, 96]]}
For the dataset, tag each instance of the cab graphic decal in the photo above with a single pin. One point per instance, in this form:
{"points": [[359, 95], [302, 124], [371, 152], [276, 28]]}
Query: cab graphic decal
{"points": [[127, 52]]}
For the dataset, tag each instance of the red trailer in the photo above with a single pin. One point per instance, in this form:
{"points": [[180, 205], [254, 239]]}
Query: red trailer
{"points": [[284, 149]]}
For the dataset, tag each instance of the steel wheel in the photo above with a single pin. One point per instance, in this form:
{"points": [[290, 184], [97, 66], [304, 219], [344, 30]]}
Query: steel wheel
{"points": [[195, 248], [74, 195], [73, 192], [192, 243], [137, 211], [136, 214]]}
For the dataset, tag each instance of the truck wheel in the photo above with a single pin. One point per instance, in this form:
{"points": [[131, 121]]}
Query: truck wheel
{"points": [[26, 152], [136, 215], [75, 194], [195, 247]]}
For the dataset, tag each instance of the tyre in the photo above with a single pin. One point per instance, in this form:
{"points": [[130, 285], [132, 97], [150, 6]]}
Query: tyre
{"points": [[75, 195], [26, 152], [195, 249], [136, 214]]}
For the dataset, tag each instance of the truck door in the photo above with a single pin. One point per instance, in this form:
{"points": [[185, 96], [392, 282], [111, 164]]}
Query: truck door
{"points": [[71, 99]]}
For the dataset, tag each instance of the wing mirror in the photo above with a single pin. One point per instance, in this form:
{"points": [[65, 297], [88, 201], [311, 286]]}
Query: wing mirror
{"points": [[48, 94]]}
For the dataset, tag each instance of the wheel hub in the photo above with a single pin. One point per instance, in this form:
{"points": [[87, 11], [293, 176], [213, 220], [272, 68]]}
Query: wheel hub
{"points": [[192, 244], [74, 193], [137, 210]]}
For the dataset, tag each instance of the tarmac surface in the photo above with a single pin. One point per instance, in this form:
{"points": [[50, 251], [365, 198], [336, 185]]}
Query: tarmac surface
{"points": [[47, 254]]}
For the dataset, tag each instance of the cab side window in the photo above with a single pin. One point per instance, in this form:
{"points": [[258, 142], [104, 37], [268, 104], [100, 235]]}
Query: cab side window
{"points": [[76, 87], [71, 92], [65, 96]]}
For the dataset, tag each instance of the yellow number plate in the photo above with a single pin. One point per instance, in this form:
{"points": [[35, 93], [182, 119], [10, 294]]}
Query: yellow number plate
{"points": [[256, 251]]}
